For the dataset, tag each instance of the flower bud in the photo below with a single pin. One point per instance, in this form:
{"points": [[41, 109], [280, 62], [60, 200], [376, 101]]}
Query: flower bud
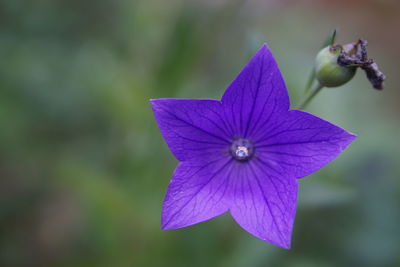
{"points": [[327, 70]]}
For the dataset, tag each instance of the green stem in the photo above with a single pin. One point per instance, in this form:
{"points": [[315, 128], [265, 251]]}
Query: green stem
{"points": [[311, 79], [317, 88]]}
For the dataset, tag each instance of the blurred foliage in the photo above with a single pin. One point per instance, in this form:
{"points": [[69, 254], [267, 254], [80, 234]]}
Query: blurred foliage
{"points": [[84, 168]]}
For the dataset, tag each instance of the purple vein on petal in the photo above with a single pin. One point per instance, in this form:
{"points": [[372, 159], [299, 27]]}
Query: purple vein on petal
{"points": [[258, 123], [216, 125], [260, 76], [198, 191], [267, 203], [194, 126], [303, 142], [225, 184], [270, 133], [286, 154], [229, 130]]}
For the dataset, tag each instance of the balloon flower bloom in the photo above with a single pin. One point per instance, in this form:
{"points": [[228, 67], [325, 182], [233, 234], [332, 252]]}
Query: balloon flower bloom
{"points": [[244, 153]]}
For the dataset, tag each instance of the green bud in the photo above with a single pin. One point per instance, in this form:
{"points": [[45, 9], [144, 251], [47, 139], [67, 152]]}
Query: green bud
{"points": [[327, 70]]}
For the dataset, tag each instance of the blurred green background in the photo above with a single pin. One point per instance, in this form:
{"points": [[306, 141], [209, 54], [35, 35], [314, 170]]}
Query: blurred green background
{"points": [[84, 169]]}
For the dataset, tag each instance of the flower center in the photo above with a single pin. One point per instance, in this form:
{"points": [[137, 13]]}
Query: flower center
{"points": [[242, 149]]}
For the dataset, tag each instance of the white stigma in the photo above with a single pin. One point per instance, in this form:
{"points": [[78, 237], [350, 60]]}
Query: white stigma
{"points": [[242, 149], [242, 152]]}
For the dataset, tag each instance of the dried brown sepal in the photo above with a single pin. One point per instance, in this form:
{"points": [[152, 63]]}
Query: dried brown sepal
{"points": [[375, 76], [355, 54]]}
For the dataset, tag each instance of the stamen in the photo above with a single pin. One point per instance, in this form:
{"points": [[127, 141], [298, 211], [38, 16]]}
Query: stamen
{"points": [[242, 152], [242, 149]]}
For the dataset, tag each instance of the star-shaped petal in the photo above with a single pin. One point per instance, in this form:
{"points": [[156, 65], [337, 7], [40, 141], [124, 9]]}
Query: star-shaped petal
{"points": [[243, 154]]}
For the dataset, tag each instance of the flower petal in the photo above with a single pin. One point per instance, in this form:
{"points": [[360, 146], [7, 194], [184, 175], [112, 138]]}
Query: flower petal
{"points": [[257, 95], [196, 192], [263, 203], [192, 127], [301, 144]]}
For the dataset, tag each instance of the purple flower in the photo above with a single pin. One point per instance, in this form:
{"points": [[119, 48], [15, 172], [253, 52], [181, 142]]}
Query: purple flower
{"points": [[244, 153]]}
